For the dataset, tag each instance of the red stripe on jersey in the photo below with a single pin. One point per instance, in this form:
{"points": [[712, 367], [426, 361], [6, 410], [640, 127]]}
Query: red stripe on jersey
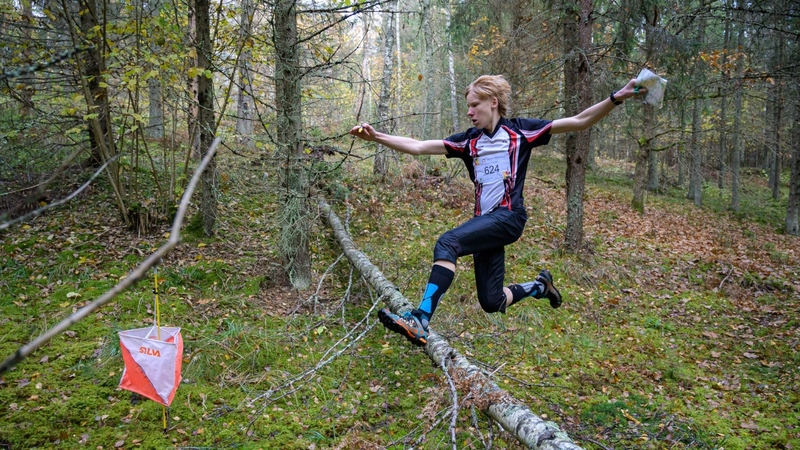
{"points": [[478, 190], [455, 146], [473, 147], [513, 152], [532, 135]]}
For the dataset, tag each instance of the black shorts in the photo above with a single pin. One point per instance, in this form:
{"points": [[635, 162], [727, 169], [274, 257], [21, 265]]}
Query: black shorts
{"points": [[484, 237]]}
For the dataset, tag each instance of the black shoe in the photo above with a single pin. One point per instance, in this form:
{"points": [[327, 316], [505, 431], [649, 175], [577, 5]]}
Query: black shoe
{"points": [[550, 291]]}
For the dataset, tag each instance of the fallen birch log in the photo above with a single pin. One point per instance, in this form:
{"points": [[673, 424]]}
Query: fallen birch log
{"points": [[516, 418]]}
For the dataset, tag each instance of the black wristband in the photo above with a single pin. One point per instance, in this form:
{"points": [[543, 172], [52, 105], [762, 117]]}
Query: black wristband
{"points": [[614, 99]]}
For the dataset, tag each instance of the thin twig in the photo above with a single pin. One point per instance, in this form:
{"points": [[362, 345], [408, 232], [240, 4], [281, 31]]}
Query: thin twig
{"points": [[133, 277], [40, 211], [270, 395], [730, 272], [315, 295], [454, 394]]}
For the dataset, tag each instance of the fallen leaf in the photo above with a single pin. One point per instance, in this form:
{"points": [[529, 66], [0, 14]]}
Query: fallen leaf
{"points": [[119, 444], [749, 355], [749, 425]]}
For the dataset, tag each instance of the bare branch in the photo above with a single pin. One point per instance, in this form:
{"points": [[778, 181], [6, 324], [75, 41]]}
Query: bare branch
{"points": [[39, 211], [133, 277], [454, 395]]}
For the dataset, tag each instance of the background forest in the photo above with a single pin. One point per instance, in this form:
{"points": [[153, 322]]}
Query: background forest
{"points": [[672, 230]]}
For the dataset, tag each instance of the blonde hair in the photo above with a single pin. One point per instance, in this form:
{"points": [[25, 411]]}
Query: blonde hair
{"points": [[488, 86]]}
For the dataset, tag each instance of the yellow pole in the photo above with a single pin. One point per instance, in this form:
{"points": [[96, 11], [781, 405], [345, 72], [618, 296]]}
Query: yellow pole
{"points": [[158, 311], [158, 331]]}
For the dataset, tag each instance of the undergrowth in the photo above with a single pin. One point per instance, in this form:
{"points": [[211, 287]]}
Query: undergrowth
{"points": [[679, 328]]}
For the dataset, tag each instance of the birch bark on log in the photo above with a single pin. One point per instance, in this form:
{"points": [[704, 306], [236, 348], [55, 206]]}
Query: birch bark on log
{"points": [[516, 418]]}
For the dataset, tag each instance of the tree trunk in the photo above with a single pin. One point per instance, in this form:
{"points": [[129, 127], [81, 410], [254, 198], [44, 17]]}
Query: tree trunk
{"points": [[646, 168], [775, 137], [793, 205], [295, 209], [695, 173], [427, 64], [681, 150], [776, 97], [516, 418], [736, 160], [205, 117], [399, 68], [94, 68], [723, 120], [26, 92], [577, 40], [155, 120], [653, 179], [192, 108], [641, 170], [244, 101], [381, 165], [451, 72], [90, 70], [364, 103]]}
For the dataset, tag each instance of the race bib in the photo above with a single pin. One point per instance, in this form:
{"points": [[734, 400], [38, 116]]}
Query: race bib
{"points": [[492, 168]]}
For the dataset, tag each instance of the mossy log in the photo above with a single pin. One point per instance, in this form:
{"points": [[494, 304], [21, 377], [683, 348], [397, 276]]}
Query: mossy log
{"points": [[516, 418]]}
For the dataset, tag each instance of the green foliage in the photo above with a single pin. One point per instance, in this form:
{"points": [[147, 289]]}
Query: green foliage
{"points": [[648, 351]]}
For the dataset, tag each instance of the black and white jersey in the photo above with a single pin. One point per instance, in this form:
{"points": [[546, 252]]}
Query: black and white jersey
{"points": [[497, 162]]}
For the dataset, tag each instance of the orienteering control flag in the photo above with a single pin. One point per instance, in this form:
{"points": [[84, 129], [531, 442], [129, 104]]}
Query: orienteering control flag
{"points": [[152, 366]]}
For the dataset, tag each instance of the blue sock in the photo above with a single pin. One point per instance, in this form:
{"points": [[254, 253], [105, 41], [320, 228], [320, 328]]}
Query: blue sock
{"points": [[438, 283]]}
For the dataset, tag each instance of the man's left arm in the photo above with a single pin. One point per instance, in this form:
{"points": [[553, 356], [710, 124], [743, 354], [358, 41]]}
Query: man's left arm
{"points": [[595, 113]]}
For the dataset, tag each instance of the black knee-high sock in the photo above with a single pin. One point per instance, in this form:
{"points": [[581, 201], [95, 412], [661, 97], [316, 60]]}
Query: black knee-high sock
{"points": [[438, 283], [520, 291]]}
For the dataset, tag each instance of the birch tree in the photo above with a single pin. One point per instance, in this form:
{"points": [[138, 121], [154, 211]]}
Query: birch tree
{"points": [[451, 71], [380, 166], [244, 100], [155, 118]]}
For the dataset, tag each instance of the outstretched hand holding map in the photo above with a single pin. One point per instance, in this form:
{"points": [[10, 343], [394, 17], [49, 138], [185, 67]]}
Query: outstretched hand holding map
{"points": [[655, 87]]}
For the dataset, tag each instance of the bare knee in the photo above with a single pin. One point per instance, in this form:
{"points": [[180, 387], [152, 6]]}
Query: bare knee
{"points": [[493, 303]]}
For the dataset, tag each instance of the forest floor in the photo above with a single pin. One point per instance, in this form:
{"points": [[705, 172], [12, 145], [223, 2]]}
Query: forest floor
{"points": [[680, 328]]}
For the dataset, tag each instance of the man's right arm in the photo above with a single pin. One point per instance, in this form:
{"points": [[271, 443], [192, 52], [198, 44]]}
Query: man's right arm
{"points": [[399, 143]]}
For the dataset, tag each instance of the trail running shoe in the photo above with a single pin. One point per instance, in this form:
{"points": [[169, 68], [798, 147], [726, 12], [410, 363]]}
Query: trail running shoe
{"points": [[550, 291], [407, 325]]}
